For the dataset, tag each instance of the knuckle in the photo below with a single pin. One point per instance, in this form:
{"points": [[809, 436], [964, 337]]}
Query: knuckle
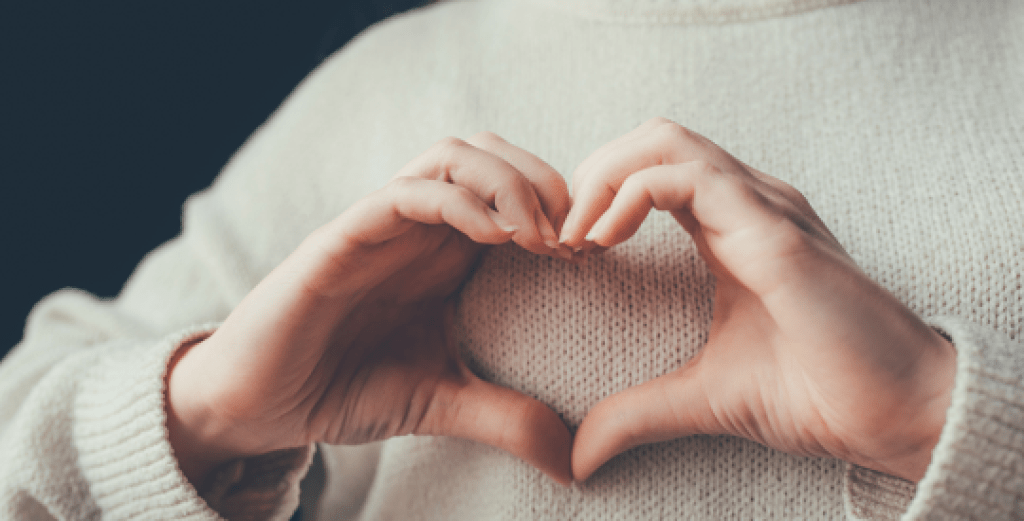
{"points": [[551, 179], [517, 181], [706, 170], [792, 196], [397, 186], [792, 238], [486, 138], [522, 191], [733, 186], [449, 146], [447, 151], [658, 121], [464, 195], [449, 142], [636, 181], [672, 133], [638, 190], [787, 190], [796, 195]]}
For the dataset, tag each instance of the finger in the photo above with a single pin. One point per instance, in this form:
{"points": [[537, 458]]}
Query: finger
{"points": [[406, 201], [741, 232], [657, 142], [480, 411], [491, 178], [720, 203], [598, 157], [547, 182], [738, 230], [665, 408]]}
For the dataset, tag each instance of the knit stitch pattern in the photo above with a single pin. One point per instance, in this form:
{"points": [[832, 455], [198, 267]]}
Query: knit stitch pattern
{"points": [[902, 122]]}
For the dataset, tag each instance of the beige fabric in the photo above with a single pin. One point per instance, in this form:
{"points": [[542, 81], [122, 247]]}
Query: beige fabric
{"points": [[901, 121]]}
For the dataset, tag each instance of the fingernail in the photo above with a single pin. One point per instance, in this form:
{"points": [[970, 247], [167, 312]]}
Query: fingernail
{"points": [[559, 223], [551, 243], [544, 227], [500, 222], [507, 227], [590, 236], [563, 236]]}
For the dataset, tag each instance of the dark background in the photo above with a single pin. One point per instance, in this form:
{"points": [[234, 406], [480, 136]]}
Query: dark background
{"points": [[113, 112]]}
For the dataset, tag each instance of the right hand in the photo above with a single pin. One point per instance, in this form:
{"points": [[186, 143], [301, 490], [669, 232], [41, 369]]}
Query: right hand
{"points": [[349, 340]]}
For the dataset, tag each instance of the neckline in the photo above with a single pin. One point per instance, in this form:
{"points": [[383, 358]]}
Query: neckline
{"points": [[687, 11]]}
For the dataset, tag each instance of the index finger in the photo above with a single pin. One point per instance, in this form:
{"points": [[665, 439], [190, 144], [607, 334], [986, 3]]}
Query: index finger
{"points": [[657, 142], [549, 185], [492, 179]]}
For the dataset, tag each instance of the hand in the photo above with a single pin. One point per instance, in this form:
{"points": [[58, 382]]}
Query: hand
{"points": [[805, 354], [348, 340]]}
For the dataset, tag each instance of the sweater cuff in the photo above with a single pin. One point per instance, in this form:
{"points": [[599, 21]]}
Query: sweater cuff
{"points": [[120, 434], [262, 487], [977, 467]]}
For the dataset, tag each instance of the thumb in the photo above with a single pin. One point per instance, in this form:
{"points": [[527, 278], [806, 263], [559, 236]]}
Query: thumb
{"points": [[668, 407], [480, 411]]}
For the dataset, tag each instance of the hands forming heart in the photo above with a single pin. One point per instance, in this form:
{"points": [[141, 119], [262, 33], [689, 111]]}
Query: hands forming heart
{"points": [[348, 340]]}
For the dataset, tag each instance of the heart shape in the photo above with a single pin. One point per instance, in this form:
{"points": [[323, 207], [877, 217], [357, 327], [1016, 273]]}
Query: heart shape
{"points": [[349, 339]]}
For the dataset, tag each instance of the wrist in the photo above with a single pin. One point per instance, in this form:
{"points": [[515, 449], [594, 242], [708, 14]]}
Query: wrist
{"points": [[195, 436], [920, 427]]}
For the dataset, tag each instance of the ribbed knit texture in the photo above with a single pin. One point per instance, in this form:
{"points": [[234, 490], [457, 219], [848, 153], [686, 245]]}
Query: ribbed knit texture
{"points": [[977, 470], [978, 467], [119, 428], [91, 440], [901, 121]]}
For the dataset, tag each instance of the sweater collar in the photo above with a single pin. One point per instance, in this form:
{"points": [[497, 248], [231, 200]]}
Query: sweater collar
{"points": [[688, 11]]}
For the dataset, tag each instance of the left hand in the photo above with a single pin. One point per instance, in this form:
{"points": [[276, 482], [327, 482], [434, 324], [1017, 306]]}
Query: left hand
{"points": [[806, 354]]}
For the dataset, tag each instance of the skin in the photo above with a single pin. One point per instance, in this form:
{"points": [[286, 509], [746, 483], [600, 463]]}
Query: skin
{"points": [[349, 339], [805, 354]]}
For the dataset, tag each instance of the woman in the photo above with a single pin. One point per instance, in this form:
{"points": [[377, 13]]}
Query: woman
{"points": [[736, 356]]}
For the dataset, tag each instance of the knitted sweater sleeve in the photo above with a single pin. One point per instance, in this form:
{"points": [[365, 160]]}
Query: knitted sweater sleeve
{"points": [[977, 468], [82, 420]]}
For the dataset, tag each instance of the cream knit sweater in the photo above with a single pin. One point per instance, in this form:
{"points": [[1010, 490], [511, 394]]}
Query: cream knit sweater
{"points": [[901, 121]]}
